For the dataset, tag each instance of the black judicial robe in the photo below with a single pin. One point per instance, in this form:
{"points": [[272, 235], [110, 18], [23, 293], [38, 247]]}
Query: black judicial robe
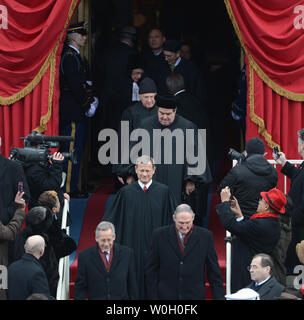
{"points": [[174, 175], [135, 214], [135, 113]]}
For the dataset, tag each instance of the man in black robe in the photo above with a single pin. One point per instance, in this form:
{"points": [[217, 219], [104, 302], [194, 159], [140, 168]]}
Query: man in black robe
{"points": [[137, 210], [178, 149]]}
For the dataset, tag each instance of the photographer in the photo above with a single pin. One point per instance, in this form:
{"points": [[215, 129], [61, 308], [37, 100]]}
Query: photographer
{"points": [[251, 176], [43, 176], [11, 175]]}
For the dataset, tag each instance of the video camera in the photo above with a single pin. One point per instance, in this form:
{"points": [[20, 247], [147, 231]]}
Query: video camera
{"points": [[234, 155], [36, 148]]}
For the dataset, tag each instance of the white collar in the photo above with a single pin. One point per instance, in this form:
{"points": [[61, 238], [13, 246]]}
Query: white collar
{"points": [[259, 284], [177, 61], [147, 185], [74, 48], [180, 91]]}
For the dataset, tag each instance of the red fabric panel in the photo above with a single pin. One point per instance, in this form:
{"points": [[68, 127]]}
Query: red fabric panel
{"points": [[35, 30], [272, 33]]}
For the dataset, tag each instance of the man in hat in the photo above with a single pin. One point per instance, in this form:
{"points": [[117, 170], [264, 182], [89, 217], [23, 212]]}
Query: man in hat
{"points": [[296, 194], [175, 63], [259, 233], [253, 175], [137, 112], [76, 101], [173, 150]]}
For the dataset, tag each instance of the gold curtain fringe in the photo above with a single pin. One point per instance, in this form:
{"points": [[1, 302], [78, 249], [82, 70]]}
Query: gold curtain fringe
{"points": [[276, 88], [255, 118], [49, 60], [45, 118], [252, 66]]}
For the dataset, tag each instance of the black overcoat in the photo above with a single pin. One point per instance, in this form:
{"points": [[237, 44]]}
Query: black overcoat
{"points": [[172, 275], [93, 279]]}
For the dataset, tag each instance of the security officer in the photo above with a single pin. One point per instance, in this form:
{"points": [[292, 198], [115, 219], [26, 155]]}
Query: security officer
{"points": [[76, 101]]}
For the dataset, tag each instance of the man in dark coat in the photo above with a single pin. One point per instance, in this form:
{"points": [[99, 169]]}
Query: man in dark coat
{"points": [[258, 234], [192, 109], [253, 175], [296, 194], [26, 276], [145, 107], [137, 210], [180, 255], [263, 282], [184, 166], [175, 63], [134, 114], [8, 233], [112, 65], [76, 102], [153, 56], [106, 271], [11, 174]]}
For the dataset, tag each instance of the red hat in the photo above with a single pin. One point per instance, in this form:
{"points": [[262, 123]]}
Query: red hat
{"points": [[276, 199]]}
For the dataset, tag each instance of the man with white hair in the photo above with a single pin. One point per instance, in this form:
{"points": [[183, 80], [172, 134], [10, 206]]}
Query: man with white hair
{"points": [[106, 270], [137, 210], [180, 256], [26, 276]]}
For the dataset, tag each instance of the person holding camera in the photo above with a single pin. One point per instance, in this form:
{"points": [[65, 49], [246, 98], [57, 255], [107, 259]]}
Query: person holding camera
{"points": [[296, 193], [251, 176], [12, 178], [43, 176], [8, 232]]}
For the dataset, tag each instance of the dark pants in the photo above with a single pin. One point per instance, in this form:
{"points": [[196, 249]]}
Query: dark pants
{"points": [[77, 129]]}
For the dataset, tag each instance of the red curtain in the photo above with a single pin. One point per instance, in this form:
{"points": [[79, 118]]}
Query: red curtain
{"points": [[272, 36], [30, 50]]}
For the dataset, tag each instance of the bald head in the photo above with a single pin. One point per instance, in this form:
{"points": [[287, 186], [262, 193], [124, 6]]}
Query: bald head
{"points": [[34, 245]]}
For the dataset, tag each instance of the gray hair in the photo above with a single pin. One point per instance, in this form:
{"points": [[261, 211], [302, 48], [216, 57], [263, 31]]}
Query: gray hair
{"points": [[266, 260], [175, 82], [145, 160], [104, 226], [301, 135], [183, 208]]}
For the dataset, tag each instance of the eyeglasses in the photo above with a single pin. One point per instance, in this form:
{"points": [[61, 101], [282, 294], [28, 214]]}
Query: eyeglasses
{"points": [[252, 266]]}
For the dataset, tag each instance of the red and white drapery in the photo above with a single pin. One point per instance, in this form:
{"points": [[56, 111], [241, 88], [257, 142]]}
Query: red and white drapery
{"points": [[272, 35], [30, 50]]}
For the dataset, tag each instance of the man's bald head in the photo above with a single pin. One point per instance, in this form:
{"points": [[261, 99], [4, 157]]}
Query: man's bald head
{"points": [[35, 245]]}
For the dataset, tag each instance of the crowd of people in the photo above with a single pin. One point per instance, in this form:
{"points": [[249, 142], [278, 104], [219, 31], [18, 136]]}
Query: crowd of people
{"points": [[151, 242]]}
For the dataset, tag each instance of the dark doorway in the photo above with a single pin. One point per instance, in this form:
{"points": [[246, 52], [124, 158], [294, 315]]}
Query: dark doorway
{"points": [[206, 27]]}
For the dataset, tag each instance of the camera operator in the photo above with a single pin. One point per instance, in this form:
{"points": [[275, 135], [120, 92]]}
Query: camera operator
{"points": [[251, 176], [43, 176], [11, 175]]}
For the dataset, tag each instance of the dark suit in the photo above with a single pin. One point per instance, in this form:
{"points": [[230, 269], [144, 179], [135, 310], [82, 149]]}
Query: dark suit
{"points": [[296, 194], [269, 290], [252, 236], [25, 277], [172, 275], [11, 173], [92, 278]]}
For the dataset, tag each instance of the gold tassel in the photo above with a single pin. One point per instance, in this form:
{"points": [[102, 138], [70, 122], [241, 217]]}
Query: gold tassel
{"points": [[276, 88]]}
